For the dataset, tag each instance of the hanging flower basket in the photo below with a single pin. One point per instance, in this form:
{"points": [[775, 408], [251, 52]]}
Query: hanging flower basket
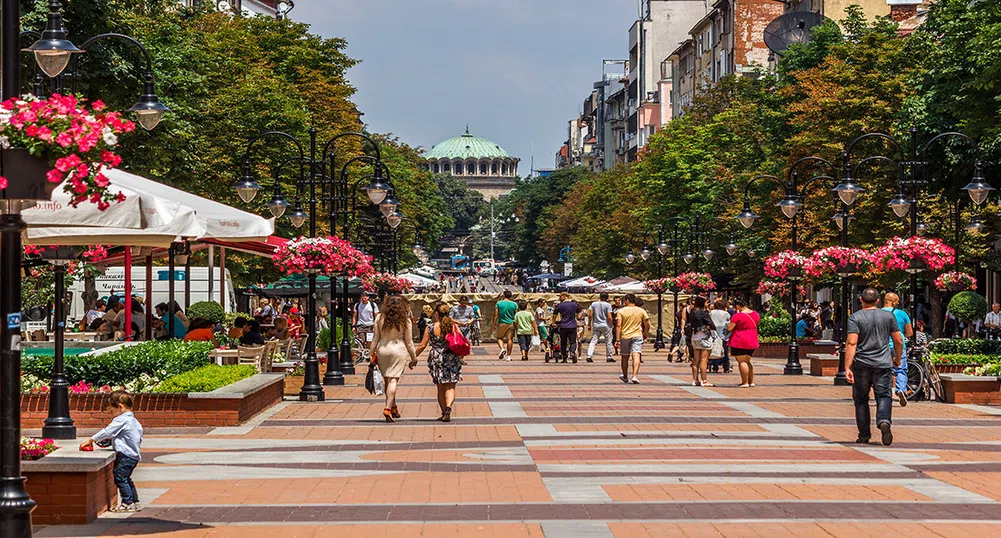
{"points": [[780, 289], [322, 255], [695, 282], [786, 264], [386, 283], [955, 281], [830, 262], [59, 140], [660, 285], [913, 255]]}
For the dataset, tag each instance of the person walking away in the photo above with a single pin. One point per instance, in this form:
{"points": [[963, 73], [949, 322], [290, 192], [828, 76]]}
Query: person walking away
{"points": [[463, 315], [525, 326], [583, 322], [566, 314], [601, 327], [743, 329], [869, 363], [474, 330], [425, 321], [702, 327], [364, 319], [393, 347], [632, 327], [686, 328], [541, 321], [126, 436], [890, 303], [616, 305], [504, 325], [721, 318], [443, 365]]}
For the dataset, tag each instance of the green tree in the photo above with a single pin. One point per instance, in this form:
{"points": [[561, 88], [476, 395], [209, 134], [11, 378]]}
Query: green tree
{"points": [[464, 204], [533, 200]]}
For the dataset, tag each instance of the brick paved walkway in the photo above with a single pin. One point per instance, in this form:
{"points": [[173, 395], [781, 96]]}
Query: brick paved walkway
{"points": [[563, 450]]}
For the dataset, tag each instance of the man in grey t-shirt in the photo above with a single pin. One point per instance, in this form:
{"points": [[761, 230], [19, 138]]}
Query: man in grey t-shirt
{"points": [[463, 315], [869, 363], [601, 326]]}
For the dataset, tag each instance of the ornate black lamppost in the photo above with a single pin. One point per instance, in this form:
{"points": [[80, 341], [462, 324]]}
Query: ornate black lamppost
{"points": [[790, 205], [59, 424], [913, 166], [317, 162]]}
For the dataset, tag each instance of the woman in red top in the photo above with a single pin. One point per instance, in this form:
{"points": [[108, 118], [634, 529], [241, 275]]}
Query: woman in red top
{"points": [[295, 323], [743, 329]]}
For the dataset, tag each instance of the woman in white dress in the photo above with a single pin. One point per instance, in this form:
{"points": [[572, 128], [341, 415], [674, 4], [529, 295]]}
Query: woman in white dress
{"points": [[393, 347]]}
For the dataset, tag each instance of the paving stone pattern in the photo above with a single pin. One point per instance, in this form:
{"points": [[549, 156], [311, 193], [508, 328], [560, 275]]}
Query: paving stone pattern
{"points": [[564, 450]]}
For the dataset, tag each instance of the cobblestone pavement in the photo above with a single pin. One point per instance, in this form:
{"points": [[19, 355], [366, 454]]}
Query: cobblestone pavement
{"points": [[564, 450]]}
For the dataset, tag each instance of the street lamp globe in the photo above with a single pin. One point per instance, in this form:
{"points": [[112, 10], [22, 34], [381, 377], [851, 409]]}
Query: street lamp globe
{"points": [[978, 188], [731, 248], [848, 191], [389, 204], [377, 189], [901, 205], [149, 109], [747, 217], [790, 207], [630, 259], [839, 219], [689, 258], [975, 225], [297, 217], [52, 50], [708, 254], [395, 219], [663, 248], [247, 189], [277, 205], [922, 228], [752, 253], [417, 249], [646, 253]]}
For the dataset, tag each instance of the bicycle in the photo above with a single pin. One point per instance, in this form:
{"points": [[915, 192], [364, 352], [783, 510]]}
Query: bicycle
{"points": [[923, 381], [359, 343]]}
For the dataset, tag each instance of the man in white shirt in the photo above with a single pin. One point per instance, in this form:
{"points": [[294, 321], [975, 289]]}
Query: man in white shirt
{"points": [[364, 318], [992, 322], [601, 326]]}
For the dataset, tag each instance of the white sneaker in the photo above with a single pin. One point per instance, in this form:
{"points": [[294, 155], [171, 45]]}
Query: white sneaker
{"points": [[500, 356], [134, 507], [635, 381], [623, 378], [508, 359]]}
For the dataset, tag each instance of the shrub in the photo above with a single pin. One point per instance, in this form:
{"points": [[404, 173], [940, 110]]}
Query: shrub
{"points": [[962, 358], [968, 305], [968, 346], [769, 326], [137, 368], [206, 378], [231, 317], [209, 310], [323, 339]]}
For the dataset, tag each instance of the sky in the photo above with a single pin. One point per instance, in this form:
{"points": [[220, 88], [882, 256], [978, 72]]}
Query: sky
{"points": [[516, 71]]}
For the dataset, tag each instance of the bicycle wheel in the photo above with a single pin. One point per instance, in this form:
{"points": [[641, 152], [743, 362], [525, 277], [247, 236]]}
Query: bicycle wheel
{"points": [[915, 381], [934, 382]]}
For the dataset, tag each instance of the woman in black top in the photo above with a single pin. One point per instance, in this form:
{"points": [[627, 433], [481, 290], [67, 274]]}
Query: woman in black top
{"points": [[702, 330]]}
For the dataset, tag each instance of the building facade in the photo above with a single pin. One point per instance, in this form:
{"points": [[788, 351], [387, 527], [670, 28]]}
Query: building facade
{"points": [[482, 164]]}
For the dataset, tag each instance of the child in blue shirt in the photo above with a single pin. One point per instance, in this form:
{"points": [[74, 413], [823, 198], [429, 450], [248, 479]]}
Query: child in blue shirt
{"points": [[126, 435]]}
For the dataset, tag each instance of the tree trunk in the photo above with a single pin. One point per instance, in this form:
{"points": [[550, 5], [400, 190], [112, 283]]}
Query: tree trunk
{"points": [[936, 312]]}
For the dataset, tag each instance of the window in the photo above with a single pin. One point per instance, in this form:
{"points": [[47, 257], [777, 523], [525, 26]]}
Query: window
{"points": [[701, 44], [446, 168], [493, 169], [483, 169], [471, 169], [504, 169], [436, 168]]}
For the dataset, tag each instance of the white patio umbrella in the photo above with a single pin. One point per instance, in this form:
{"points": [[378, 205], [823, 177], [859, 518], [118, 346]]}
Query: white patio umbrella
{"points": [[418, 280], [582, 282]]}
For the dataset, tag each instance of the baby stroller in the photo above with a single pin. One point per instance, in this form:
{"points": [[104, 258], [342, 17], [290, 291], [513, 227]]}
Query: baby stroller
{"points": [[554, 344]]}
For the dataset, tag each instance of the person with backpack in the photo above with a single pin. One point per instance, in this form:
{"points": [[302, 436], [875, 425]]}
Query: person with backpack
{"points": [[444, 364]]}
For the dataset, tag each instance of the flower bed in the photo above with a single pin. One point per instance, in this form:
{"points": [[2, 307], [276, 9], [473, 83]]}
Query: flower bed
{"points": [[36, 449]]}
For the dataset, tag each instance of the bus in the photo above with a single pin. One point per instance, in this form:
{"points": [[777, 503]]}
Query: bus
{"points": [[485, 267]]}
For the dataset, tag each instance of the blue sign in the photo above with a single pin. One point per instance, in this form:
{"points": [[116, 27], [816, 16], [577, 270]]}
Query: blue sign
{"points": [[165, 275], [14, 321]]}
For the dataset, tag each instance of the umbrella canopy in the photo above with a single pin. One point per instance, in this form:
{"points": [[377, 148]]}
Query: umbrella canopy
{"points": [[610, 285], [418, 280], [153, 214], [298, 286], [546, 276], [627, 287], [582, 282]]}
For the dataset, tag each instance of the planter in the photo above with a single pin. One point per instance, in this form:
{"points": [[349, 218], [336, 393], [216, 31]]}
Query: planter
{"points": [[228, 406], [969, 389], [781, 350], [953, 368], [26, 175], [957, 287], [70, 487], [823, 365]]}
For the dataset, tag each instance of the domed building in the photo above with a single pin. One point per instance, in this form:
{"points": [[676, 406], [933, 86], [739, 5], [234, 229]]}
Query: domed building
{"points": [[482, 164]]}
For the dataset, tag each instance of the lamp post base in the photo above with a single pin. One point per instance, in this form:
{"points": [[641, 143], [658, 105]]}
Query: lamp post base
{"points": [[15, 521], [311, 390], [333, 375], [793, 367], [59, 424], [658, 343], [841, 380]]}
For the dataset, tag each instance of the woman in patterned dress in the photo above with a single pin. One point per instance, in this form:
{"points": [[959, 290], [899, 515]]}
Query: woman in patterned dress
{"points": [[444, 366]]}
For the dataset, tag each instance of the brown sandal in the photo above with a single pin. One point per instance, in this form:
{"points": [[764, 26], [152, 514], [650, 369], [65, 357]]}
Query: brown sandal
{"points": [[395, 412], [388, 413]]}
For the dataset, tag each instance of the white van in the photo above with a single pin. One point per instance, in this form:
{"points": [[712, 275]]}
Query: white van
{"points": [[112, 282]]}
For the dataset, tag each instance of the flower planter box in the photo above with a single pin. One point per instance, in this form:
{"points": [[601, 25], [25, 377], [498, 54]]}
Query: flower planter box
{"points": [[228, 406], [953, 368], [823, 365], [781, 350], [969, 389], [70, 487]]}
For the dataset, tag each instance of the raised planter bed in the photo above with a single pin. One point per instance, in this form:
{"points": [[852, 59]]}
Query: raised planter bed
{"points": [[953, 368], [970, 389], [781, 350], [823, 365], [70, 487], [228, 406]]}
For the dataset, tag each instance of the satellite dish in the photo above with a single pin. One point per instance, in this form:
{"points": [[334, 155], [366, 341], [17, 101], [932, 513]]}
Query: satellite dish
{"points": [[790, 28]]}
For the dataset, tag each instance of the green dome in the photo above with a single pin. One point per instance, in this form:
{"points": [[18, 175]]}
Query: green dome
{"points": [[467, 146]]}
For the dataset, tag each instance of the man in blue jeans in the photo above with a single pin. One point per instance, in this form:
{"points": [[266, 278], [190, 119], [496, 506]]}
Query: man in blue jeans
{"points": [[890, 302], [869, 362]]}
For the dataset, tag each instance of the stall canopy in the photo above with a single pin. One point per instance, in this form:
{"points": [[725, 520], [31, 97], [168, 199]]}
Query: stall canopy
{"points": [[582, 282], [546, 276], [153, 214], [613, 284], [418, 280], [298, 286]]}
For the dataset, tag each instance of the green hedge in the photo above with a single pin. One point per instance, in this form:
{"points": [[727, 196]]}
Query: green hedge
{"points": [[137, 367], [968, 305], [209, 310], [323, 339], [963, 358], [969, 346], [206, 378], [769, 326]]}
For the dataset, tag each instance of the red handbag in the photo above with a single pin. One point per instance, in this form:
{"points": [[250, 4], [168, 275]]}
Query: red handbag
{"points": [[458, 343]]}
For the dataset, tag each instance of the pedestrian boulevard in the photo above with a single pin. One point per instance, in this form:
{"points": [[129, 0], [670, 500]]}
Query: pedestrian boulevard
{"points": [[564, 450]]}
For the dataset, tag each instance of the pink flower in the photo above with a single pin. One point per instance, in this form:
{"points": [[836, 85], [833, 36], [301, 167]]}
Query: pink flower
{"points": [[3, 182], [54, 176]]}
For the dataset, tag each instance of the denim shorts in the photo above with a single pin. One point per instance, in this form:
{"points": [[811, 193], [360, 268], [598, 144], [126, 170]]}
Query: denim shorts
{"points": [[631, 345]]}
